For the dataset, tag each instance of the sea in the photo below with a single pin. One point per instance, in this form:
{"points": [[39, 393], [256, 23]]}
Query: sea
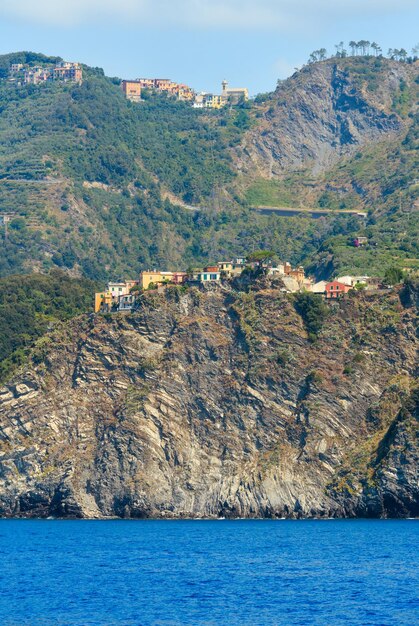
{"points": [[326, 572]]}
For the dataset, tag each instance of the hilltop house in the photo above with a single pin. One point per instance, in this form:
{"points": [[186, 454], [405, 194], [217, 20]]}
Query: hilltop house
{"points": [[126, 302], [233, 95], [228, 95], [335, 289], [360, 241], [118, 289], [319, 287], [15, 68], [205, 100], [209, 274], [65, 71], [231, 268], [131, 90], [156, 278], [179, 90], [103, 301], [116, 294]]}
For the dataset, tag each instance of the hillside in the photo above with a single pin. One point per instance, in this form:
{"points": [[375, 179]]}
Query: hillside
{"points": [[102, 187], [327, 111], [216, 403], [31, 305], [342, 134]]}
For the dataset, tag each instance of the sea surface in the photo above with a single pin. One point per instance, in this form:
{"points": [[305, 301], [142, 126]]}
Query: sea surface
{"points": [[243, 572]]}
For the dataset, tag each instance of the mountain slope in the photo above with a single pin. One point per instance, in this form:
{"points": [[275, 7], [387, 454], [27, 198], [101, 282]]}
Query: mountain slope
{"points": [[327, 111], [88, 173], [343, 134], [99, 185], [216, 403]]}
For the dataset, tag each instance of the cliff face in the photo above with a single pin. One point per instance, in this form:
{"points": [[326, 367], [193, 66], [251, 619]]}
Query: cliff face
{"points": [[324, 112], [216, 404]]}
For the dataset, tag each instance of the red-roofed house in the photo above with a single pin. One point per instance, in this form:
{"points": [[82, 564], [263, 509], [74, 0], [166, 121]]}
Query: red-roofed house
{"points": [[335, 289]]}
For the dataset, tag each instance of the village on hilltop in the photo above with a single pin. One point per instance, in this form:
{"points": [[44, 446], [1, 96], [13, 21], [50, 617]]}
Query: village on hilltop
{"points": [[67, 71], [133, 89], [64, 71], [122, 296]]}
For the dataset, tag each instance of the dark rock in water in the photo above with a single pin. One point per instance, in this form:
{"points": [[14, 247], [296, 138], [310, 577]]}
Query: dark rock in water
{"points": [[217, 404]]}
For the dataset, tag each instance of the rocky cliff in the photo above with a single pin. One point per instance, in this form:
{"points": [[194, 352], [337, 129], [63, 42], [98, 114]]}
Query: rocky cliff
{"points": [[216, 403], [325, 112]]}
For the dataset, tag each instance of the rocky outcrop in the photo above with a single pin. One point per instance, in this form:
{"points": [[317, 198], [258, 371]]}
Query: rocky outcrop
{"points": [[322, 113], [215, 403]]}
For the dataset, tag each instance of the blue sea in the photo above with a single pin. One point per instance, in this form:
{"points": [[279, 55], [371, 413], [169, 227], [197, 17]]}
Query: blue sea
{"points": [[328, 572]]}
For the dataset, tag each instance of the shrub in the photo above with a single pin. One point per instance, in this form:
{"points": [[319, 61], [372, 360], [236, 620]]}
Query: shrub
{"points": [[393, 276], [313, 312], [282, 357]]}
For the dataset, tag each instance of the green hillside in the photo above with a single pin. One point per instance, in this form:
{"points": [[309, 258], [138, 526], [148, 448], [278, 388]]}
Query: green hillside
{"points": [[90, 173], [31, 305], [95, 184]]}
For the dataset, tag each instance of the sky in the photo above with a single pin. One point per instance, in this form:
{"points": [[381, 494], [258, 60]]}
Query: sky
{"points": [[201, 42]]}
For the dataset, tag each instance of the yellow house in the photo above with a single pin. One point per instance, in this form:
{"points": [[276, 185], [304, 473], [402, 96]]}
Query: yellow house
{"points": [[157, 278], [214, 102], [103, 301]]}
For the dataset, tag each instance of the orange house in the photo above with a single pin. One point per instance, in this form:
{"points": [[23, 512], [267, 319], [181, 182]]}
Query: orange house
{"points": [[131, 90], [103, 301], [335, 289]]}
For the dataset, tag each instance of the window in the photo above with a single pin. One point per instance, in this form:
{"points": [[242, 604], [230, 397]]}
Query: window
{"points": [[331, 287], [337, 287], [213, 276], [205, 277]]}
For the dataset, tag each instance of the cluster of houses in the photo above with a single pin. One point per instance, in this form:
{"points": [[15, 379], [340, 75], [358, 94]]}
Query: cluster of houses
{"points": [[229, 95], [121, 296], [65, 71], [132, 90]]}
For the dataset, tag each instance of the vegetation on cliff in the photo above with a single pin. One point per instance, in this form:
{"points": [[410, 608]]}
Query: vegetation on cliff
{"points": [[30, 306]]}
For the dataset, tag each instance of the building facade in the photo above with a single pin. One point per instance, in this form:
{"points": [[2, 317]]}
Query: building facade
{"points": [[233, 95], [335, 289], [161, 278], [131, 90]]}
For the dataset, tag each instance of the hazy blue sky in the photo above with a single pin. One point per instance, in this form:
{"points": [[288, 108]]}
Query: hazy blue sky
{"points": [[200, 42]]}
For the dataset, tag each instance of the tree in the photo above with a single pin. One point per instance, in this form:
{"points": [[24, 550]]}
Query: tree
{"points": [[340, 50], [322, 54], [354, 47], [402, 54], [260, 256], [393, 276], [375, 47], [363, 45], [313, 312]]}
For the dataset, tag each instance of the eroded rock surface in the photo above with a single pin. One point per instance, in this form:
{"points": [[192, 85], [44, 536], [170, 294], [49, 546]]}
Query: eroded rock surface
{"points": [[321, 114], [216, 403]]}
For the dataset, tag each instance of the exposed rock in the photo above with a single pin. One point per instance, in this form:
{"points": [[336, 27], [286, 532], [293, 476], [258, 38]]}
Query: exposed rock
{"points": [[322, 113], [215, 403]]}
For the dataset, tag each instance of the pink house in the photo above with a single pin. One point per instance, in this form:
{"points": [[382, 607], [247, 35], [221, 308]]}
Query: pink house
{"points": [[335, 289]]}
